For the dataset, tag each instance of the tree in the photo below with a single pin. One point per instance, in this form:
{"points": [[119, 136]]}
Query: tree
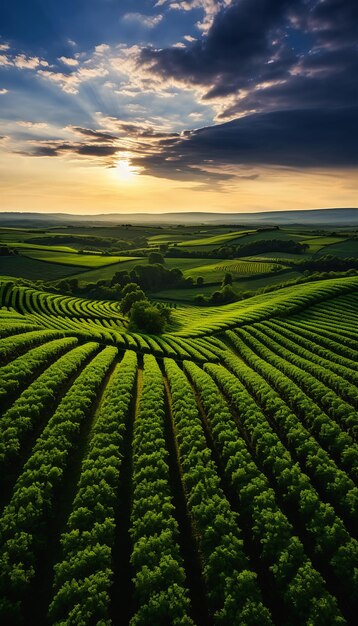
{"points": [[128, 288], [227, 279], [131, 298], [147, 317], [155, 257]]}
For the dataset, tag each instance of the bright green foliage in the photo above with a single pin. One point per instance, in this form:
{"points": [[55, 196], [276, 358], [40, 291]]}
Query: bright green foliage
{"points": [[216, 525], [84, 577], [23, 523], [22, 417], [271, 527], [216, 485], [160, 587]]}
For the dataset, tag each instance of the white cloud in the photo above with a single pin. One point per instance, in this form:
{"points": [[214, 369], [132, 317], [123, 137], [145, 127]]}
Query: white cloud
{"points": [[31, 63], [68, 61], [27, 124], [3, 91], [4, 46], [148, 21], [5, 60]]}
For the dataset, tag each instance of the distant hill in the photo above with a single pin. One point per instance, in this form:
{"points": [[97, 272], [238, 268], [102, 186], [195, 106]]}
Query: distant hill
{"points": [[312, 217]]}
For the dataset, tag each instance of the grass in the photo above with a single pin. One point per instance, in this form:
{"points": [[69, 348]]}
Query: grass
{"points": [[81, 260], [32, 269], [214, 272], [106, 273], [36, 246], [317, 243], [216, 240], [347, 248], [188, 295]]}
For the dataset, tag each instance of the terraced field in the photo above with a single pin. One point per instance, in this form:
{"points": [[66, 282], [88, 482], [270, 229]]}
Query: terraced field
{"points": [[205, 476], [214, 272]]}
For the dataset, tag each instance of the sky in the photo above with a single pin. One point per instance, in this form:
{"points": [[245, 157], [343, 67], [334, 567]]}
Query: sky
{"points": [[154, 106]]}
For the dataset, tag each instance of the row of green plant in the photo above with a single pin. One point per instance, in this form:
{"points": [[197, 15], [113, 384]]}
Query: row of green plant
{"points": [[322, 348], [297, 584], [344, 378], [332, 544], [333, 482], [316, 381], [159, 578], [17, 373], [84, 575], [11, 346], [233, 592], [24, 522]]}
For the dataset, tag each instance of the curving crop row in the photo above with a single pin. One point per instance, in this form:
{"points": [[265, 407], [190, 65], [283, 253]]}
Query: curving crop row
{"points": [[315, 367], [22, 417], [84, 576], [10, 347], [15, 374], [325, 429], [300, 587], [327, 348], [334, 405], [331, 540], [160, 587], [23, 523], [334, 483], [234, 595]]}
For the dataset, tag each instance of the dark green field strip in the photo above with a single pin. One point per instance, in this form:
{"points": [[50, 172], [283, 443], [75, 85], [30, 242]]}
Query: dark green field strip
{"points": [[307, 361], [226, 570], [10, 347], [331, 547], [323, 347], [342, 380], [25, 267], [29, 413], [16, 374], [331, 481], [27, 300], [8, 329], [159, 579], [288, 363], [85, 570], [336, 326], [25, 519], [300, 588], [319, 423], [342, 345]]}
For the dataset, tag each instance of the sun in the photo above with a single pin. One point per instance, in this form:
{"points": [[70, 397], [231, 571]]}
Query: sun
{"points": [[125, 171]]}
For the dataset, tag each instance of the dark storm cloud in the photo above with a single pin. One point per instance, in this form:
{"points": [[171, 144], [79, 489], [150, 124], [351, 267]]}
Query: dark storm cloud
{"points": [[57, 149], [239, 46], [290, 70], [254, 41], [95, 135], [307, 138]]}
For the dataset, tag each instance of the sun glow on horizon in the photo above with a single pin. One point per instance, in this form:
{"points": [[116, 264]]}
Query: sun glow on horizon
{"points": [[124, 171]]}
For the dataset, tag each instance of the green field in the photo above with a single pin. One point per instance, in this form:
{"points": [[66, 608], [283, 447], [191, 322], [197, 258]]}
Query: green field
{"points": [[216, 240], [81, 260], [106, 273], [24, 267], [321, 242], [214, 272], [210, 468], [347, 248], [240, 285]]}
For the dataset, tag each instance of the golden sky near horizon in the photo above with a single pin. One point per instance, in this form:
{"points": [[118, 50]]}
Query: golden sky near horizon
{"points": [[54, 185]]}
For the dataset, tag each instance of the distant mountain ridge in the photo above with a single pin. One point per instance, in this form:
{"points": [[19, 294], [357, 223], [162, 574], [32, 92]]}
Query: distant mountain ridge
{"points": [[310, 217]]}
